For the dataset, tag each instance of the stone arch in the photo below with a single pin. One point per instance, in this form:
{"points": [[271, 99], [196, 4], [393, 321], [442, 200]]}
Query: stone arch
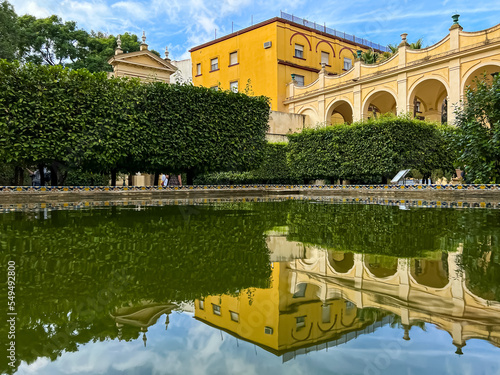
{"points": [[428, 99], [380, 102], [381, 266], [311, 117], [430, 272], [327, 42], [350, 49], [340, 261], [305, 36], [489, 68], [339, 111]]}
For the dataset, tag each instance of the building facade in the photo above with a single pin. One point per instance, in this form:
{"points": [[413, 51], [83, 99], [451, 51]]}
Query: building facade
{"points": [[426, 83], [261, 59]]}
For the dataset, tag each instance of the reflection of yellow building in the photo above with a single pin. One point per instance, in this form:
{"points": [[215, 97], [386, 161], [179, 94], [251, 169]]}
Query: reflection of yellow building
{"points": [[269, 53], [287, 318]]}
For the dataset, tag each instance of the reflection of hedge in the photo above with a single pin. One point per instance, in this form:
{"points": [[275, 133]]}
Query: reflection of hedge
{"points": [[369, 152]]}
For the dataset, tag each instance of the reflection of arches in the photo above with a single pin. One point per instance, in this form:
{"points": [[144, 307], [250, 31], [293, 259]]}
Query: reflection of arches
{"points": [[431, 273], [340, 261], [327, 42], [426, 98], [311, 116], [305, 36], [488, 68], [381, 266], [379, 102], [340, 111], [347, 48]]}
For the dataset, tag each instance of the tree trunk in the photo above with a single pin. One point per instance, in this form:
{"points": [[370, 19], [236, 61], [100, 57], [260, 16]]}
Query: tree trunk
{"points": [[113, 177], [130, 180], [18, 176], [189, 177], [42, 174], [53, 174], [157, 177]]}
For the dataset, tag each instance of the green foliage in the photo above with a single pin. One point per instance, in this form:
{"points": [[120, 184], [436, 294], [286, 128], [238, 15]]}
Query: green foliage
{"points": [[369, 152], [477, 139], [9, 31], [88, 122], [77, 177], [369, 57]]}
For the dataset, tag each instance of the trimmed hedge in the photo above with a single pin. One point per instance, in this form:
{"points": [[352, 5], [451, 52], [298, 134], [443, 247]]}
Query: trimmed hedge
{"points": [[369, 152], [50, 115]]}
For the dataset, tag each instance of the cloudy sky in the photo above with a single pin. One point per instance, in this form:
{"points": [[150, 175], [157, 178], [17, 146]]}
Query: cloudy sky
{"points": [[182, 24]]}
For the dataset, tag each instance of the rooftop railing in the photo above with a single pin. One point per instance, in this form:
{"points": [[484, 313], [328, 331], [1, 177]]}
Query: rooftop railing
{"points": [[340, 34]]}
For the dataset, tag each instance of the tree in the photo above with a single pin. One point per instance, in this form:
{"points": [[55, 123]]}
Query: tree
{"points": [[417, 44], [50, 41], [369, 57], [8, 31], [478, 135]]}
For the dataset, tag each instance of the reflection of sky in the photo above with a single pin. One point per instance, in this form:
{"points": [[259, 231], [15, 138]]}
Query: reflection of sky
{"points": [[191, 347]]}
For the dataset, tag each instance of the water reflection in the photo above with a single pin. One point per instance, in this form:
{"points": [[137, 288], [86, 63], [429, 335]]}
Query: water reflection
{"points": [[290, 277]]}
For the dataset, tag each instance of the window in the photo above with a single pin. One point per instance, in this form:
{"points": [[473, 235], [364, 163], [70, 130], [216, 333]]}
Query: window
{"points": [[198, 69], [299, 51], [347, 63], [234, 86], [201, 304], [233, 58], [300, 321], [214, 64], [216, 309], [235, 317], [325, 58], [300, 290], [299, 80], [325, 313], [216, 88]]}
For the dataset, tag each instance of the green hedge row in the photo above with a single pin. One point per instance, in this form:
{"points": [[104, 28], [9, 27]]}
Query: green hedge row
{"points": [[371, 151], [81, 120], [364, 153]]}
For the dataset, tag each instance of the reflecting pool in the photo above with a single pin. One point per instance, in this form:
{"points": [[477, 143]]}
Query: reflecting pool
{"points": [[248, 287]]}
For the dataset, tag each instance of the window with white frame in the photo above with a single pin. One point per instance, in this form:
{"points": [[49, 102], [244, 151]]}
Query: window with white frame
{"points": [[216, 88], [235, 317], [325, 58], [201, 304], [214, 64], [198, 69], [347, 63], [300, 321], [233, 58], [299, 51], [299, 80], [233, 86]]}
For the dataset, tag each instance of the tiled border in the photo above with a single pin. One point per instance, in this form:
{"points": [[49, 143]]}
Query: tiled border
{"points": [[61, 189], [138, 204]]}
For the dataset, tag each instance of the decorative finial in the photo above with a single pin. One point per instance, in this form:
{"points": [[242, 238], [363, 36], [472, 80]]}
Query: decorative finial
{"points": [[166, 52], [358, 53], [323, 65], [143, 37], [404, 42], [118, 41], [455, 18]]}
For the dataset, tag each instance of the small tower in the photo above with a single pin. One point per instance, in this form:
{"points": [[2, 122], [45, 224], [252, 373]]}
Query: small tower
{"points": [[166, 54], [118, 49], [144, 46]]}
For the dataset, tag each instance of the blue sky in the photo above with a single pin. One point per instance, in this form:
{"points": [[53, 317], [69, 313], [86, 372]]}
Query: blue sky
{"points": [[182, 24]]}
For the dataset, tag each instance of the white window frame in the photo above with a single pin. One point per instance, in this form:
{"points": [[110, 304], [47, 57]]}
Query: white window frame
{"points": [[233, 86], [235, 317], [325, 56], [201, 304], [299, 51], [216, 309], [198, 69], [214, 64], [300, 80], [349, 63], [233, 58]]}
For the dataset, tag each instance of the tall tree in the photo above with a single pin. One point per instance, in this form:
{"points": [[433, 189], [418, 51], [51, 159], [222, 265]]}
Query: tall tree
{"points": [[8, 31]]}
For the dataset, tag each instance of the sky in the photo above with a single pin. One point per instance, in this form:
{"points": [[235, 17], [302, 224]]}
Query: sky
{"points": [[183, 24]]}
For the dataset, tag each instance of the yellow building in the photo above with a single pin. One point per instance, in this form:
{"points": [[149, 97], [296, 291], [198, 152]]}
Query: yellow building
{"points": [[267, 54]]}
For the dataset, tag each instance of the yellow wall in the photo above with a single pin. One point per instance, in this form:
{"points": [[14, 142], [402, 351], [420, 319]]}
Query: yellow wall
{"points": [[269, 70]]}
